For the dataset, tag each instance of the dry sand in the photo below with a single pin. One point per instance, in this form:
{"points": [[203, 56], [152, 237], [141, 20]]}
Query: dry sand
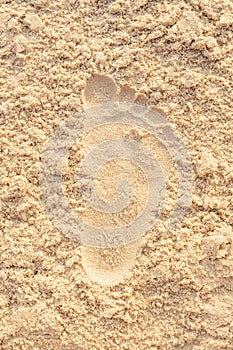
{"points": [[177, 56]]}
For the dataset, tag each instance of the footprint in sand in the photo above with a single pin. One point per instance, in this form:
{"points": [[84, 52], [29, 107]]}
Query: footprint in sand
{"points": [[127, 155], [109, 266]]}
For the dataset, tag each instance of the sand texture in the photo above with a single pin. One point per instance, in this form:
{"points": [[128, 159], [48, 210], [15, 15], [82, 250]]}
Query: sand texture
{"points": [[167, 291]]}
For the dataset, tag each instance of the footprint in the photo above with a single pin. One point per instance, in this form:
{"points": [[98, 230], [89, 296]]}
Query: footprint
{"points": [[129, 156], [109, 266]]}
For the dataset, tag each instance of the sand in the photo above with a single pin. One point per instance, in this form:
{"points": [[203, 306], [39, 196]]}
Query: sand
{"points": [[176, 290]]}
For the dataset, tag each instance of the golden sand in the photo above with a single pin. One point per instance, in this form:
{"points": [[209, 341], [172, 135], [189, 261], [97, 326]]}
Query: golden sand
{"points": [[168, 291]]}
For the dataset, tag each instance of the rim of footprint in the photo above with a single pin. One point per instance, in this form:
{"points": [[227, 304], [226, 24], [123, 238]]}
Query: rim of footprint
{"points": [[122, 175]]}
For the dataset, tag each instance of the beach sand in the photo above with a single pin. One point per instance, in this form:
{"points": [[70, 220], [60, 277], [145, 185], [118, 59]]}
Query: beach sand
{"points": [[176, 291]]}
